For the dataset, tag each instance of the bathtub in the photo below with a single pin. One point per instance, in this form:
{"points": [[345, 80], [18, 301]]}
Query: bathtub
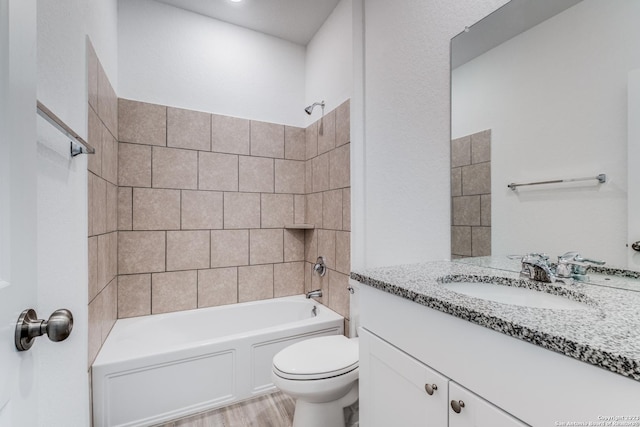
{"points": [[157, 368]]}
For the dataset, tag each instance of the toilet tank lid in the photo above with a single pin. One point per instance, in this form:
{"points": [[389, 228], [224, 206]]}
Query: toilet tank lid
{"points": [[318, 356]]}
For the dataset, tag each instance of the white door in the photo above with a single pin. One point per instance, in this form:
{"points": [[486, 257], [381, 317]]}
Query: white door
{"points": [[398, 390], [18, 274], [633, 165]]}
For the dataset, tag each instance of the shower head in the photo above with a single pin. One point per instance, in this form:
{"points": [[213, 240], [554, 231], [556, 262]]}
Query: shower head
{"points": [[309, 109]]}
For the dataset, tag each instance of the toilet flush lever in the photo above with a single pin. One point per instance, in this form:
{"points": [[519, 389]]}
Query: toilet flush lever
{"points": [[29, 327]]}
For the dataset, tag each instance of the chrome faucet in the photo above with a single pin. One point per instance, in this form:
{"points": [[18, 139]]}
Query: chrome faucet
{"points": [[315, 293], [320, 267], [574, 265], [536, 267]]}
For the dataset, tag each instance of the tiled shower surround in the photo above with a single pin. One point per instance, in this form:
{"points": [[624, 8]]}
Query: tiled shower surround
{"points": [[192, 209], [203, 201], [471, 195]]}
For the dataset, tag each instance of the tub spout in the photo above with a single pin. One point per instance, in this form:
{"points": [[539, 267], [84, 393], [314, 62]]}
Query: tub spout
{"points": [[315, 293]]}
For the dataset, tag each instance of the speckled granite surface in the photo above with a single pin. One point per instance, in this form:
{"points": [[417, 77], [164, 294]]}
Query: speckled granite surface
{"points": [[605, 333]]}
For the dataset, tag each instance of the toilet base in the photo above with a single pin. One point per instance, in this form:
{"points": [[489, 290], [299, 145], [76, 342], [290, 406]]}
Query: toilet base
{"points": [[327, 414]]}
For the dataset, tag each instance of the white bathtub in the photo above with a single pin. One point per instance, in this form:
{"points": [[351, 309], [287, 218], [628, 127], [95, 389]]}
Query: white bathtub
{"points": [[156, 368]]}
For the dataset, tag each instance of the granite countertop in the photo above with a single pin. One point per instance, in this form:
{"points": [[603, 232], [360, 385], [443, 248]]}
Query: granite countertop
{"points": [[606, 333]]}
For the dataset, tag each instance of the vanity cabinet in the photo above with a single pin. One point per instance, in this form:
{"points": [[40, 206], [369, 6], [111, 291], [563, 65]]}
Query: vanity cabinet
{"points": [[405, 345], [397, 389]]}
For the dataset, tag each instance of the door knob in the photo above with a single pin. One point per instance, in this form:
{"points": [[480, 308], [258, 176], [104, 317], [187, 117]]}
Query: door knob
{"points": [[457, 406], [430, 388], [29, 327]]}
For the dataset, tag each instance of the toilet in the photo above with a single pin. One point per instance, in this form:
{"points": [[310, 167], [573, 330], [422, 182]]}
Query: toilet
{"points": [[321, 374]]}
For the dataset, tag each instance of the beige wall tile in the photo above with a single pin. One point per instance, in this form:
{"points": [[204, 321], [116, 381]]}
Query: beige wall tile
{"points": [[288, 279], [481, 147], [229, 134], [93, 267], [241, 210], [327, 132], [256, 174], [95, 328], [327, 247], [110, 307], [107, 102], [308, 176], [461, 240], [201, 210], [134, 295], [174, 291], [99, 212], [277, 210], [311, 245], [339, 167], [476, 179], [343, 252], [91, 202], [299, 208], [338, 293], [461, 151], [94, 138], [456, 182], [255, 282], [218, 286], [188, 129], [320, 167], [294, 143], [343, 123], [289, 176], [188, 250], [134, 165], [307, 276], [125, 208], [480, 241], [142, 123], [92, 76], [266, 246], [293, 245], [466, 210], [112, 207], [346, 209], [229, 248], [311, 140], [314, 209], [218, 172], [141, 251], [174, 168], [156, 209], [332, 210], [267, 139], [485, 210], [109, 157], [104, 251]]}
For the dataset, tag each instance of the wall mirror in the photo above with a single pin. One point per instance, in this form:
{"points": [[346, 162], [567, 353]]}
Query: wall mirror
{"points": [[540, 91]]}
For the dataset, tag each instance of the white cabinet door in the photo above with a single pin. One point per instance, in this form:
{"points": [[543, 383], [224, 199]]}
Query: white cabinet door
{"points": [[476, 411], [393, 387]]}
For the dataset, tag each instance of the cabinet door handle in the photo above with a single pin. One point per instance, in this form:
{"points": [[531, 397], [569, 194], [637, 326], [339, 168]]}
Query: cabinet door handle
{"points": [[457, 406], [430, 388]]}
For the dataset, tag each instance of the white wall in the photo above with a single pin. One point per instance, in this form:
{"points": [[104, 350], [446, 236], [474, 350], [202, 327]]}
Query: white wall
{"points": [[329, 62], [555, 98], [62, 196], [173, 57], [403, 160]]}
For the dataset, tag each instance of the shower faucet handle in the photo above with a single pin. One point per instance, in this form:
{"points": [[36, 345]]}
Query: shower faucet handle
{"points": [[320, 267]]}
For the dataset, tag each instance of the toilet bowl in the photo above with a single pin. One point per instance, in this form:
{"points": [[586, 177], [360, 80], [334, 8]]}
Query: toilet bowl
{"points": [[322, 375]]}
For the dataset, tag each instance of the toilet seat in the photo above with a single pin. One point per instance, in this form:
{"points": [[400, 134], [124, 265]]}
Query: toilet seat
{"points": [[317, 358]]}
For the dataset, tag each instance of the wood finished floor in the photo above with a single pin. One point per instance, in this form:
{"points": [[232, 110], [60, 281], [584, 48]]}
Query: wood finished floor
{"points": [[272, 410]]}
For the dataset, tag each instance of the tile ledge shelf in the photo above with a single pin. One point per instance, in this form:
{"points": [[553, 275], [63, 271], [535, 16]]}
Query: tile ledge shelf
{"points": [[300, 226]]}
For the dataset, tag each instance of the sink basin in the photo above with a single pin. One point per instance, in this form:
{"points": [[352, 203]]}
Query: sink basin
{"points": [[514, 295]]}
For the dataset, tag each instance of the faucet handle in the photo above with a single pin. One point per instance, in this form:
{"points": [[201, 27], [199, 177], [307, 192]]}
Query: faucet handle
{"points": [[575, 258]]}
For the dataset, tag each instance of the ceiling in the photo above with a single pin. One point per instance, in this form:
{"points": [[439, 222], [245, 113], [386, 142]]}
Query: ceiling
{"points": [[293, 20]]}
